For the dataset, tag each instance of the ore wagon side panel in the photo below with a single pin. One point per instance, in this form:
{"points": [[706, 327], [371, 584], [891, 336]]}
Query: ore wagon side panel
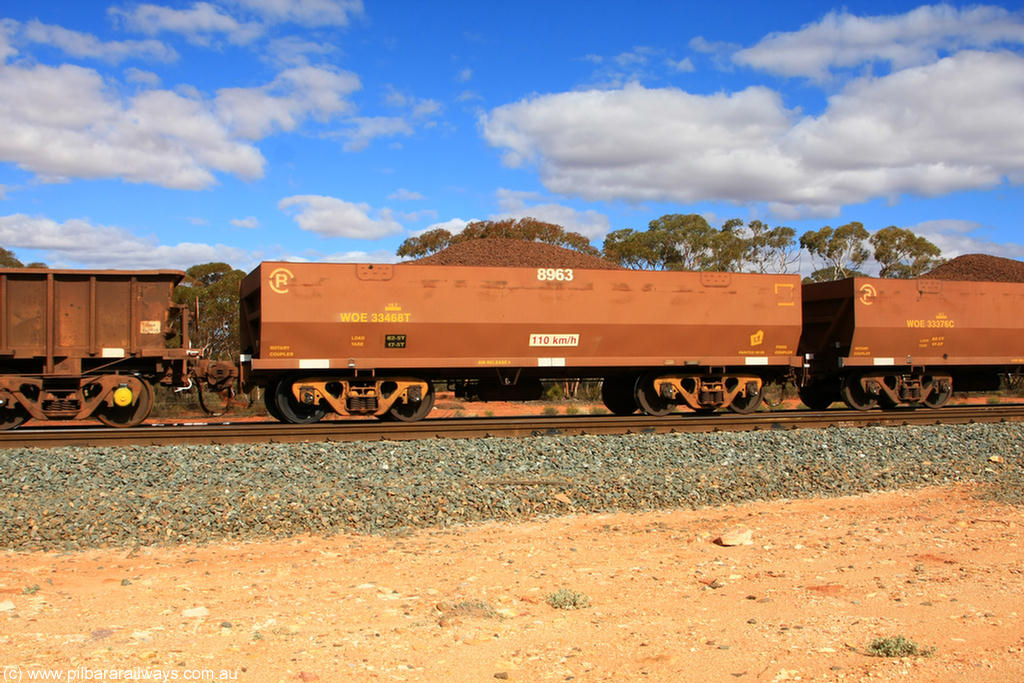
{"points": [[883, 322], [361, 316], [53, 315]]}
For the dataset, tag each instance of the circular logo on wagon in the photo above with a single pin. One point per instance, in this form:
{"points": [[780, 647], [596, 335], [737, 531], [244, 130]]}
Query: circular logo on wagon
{"points": [[279, 280], [868, 294]]}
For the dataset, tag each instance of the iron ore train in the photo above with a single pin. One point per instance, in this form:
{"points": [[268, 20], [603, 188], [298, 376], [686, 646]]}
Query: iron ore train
{"points": [[376, 339]]}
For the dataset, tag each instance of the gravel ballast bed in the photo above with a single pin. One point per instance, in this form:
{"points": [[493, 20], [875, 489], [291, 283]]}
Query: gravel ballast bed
{"points": [[75, 498]]}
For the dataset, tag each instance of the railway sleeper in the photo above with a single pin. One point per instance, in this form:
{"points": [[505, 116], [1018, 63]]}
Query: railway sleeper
{"points": [[377, 397], [739, 393]]}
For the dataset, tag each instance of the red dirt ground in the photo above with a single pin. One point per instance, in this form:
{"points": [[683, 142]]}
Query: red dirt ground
{"points": [[820, 580]]}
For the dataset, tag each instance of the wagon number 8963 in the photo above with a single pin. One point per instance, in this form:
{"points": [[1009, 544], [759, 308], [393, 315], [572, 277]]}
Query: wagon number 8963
{"points": [[556, 274]]}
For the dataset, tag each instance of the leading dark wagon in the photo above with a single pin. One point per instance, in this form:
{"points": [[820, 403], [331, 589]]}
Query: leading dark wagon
{"points": [[76, 344]]}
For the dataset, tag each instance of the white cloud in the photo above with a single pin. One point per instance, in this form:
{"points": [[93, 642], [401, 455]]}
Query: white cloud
{"points": [[921, 36], [306, 12], [156, 136], [464, 75], [589, 223], [365, 129], [958, 237], [637, 143], [81, 244], [684, 65], [404, 195], [332, 217], [295, 51], [249, 222], [174, 139], [198, 24], [7, 28], [377, 256], [80, 45], [953, 125], [452, 225], [298, 92], [147, 78]]}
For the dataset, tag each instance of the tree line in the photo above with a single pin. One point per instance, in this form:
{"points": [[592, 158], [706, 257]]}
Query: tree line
{"points": [[689, 242]]}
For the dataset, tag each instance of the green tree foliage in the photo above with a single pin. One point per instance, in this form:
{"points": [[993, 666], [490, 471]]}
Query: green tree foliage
{"points": [[212, 288], [529, 229], [688, 242], [9, 260], [672, 242], [769, 250], [841, 250], [902, 254]]}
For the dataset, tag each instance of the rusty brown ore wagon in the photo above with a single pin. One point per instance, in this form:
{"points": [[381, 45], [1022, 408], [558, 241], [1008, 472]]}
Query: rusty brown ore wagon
{"points": [[365, 339], [880, 342], [77, 344]]}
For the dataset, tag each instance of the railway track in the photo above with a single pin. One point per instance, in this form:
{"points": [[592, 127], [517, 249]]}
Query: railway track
{"points": [[471, 428]]}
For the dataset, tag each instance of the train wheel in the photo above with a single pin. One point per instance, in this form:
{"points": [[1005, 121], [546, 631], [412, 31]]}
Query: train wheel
{"points": [[617, 395], [746, 404], [854, 395], [137, 398], [270, 401], [412, 412], [13, 416], [648, 399], [291, 410], [937, 399]]}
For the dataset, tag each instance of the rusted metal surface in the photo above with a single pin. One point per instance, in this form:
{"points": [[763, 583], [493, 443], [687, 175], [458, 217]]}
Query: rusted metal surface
{"points": [[64, 318], [372, 430], [882, 322], [874, 342], [353, 318], [79, 343]]}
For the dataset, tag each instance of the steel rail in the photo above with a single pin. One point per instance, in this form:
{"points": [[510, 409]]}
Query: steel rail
{"points": [[472, 428]]}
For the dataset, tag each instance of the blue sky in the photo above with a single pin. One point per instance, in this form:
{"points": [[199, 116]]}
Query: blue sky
{"points": [[167, 134]]}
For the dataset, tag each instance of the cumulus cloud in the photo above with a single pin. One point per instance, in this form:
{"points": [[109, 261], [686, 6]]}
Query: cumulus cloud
{"points": [[958, 237], [404, 195], [174, 139], [365, 129], [638, 143], [7, 27], [333, 217], [921, 36], [199, 24], [452, 225], [306, 12], [928, 130], [78, 243], [78, 44], [249, 222], [515, 204], [156, 136], [296, 93]]}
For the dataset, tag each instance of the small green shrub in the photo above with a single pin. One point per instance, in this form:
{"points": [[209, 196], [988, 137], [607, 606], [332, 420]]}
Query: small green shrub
{"points": [[568, 599], [897, 646], [550, 410]]}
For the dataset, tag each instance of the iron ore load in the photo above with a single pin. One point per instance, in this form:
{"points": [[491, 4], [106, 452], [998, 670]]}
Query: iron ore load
{"points": [[77, 344], [373, 339]]}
